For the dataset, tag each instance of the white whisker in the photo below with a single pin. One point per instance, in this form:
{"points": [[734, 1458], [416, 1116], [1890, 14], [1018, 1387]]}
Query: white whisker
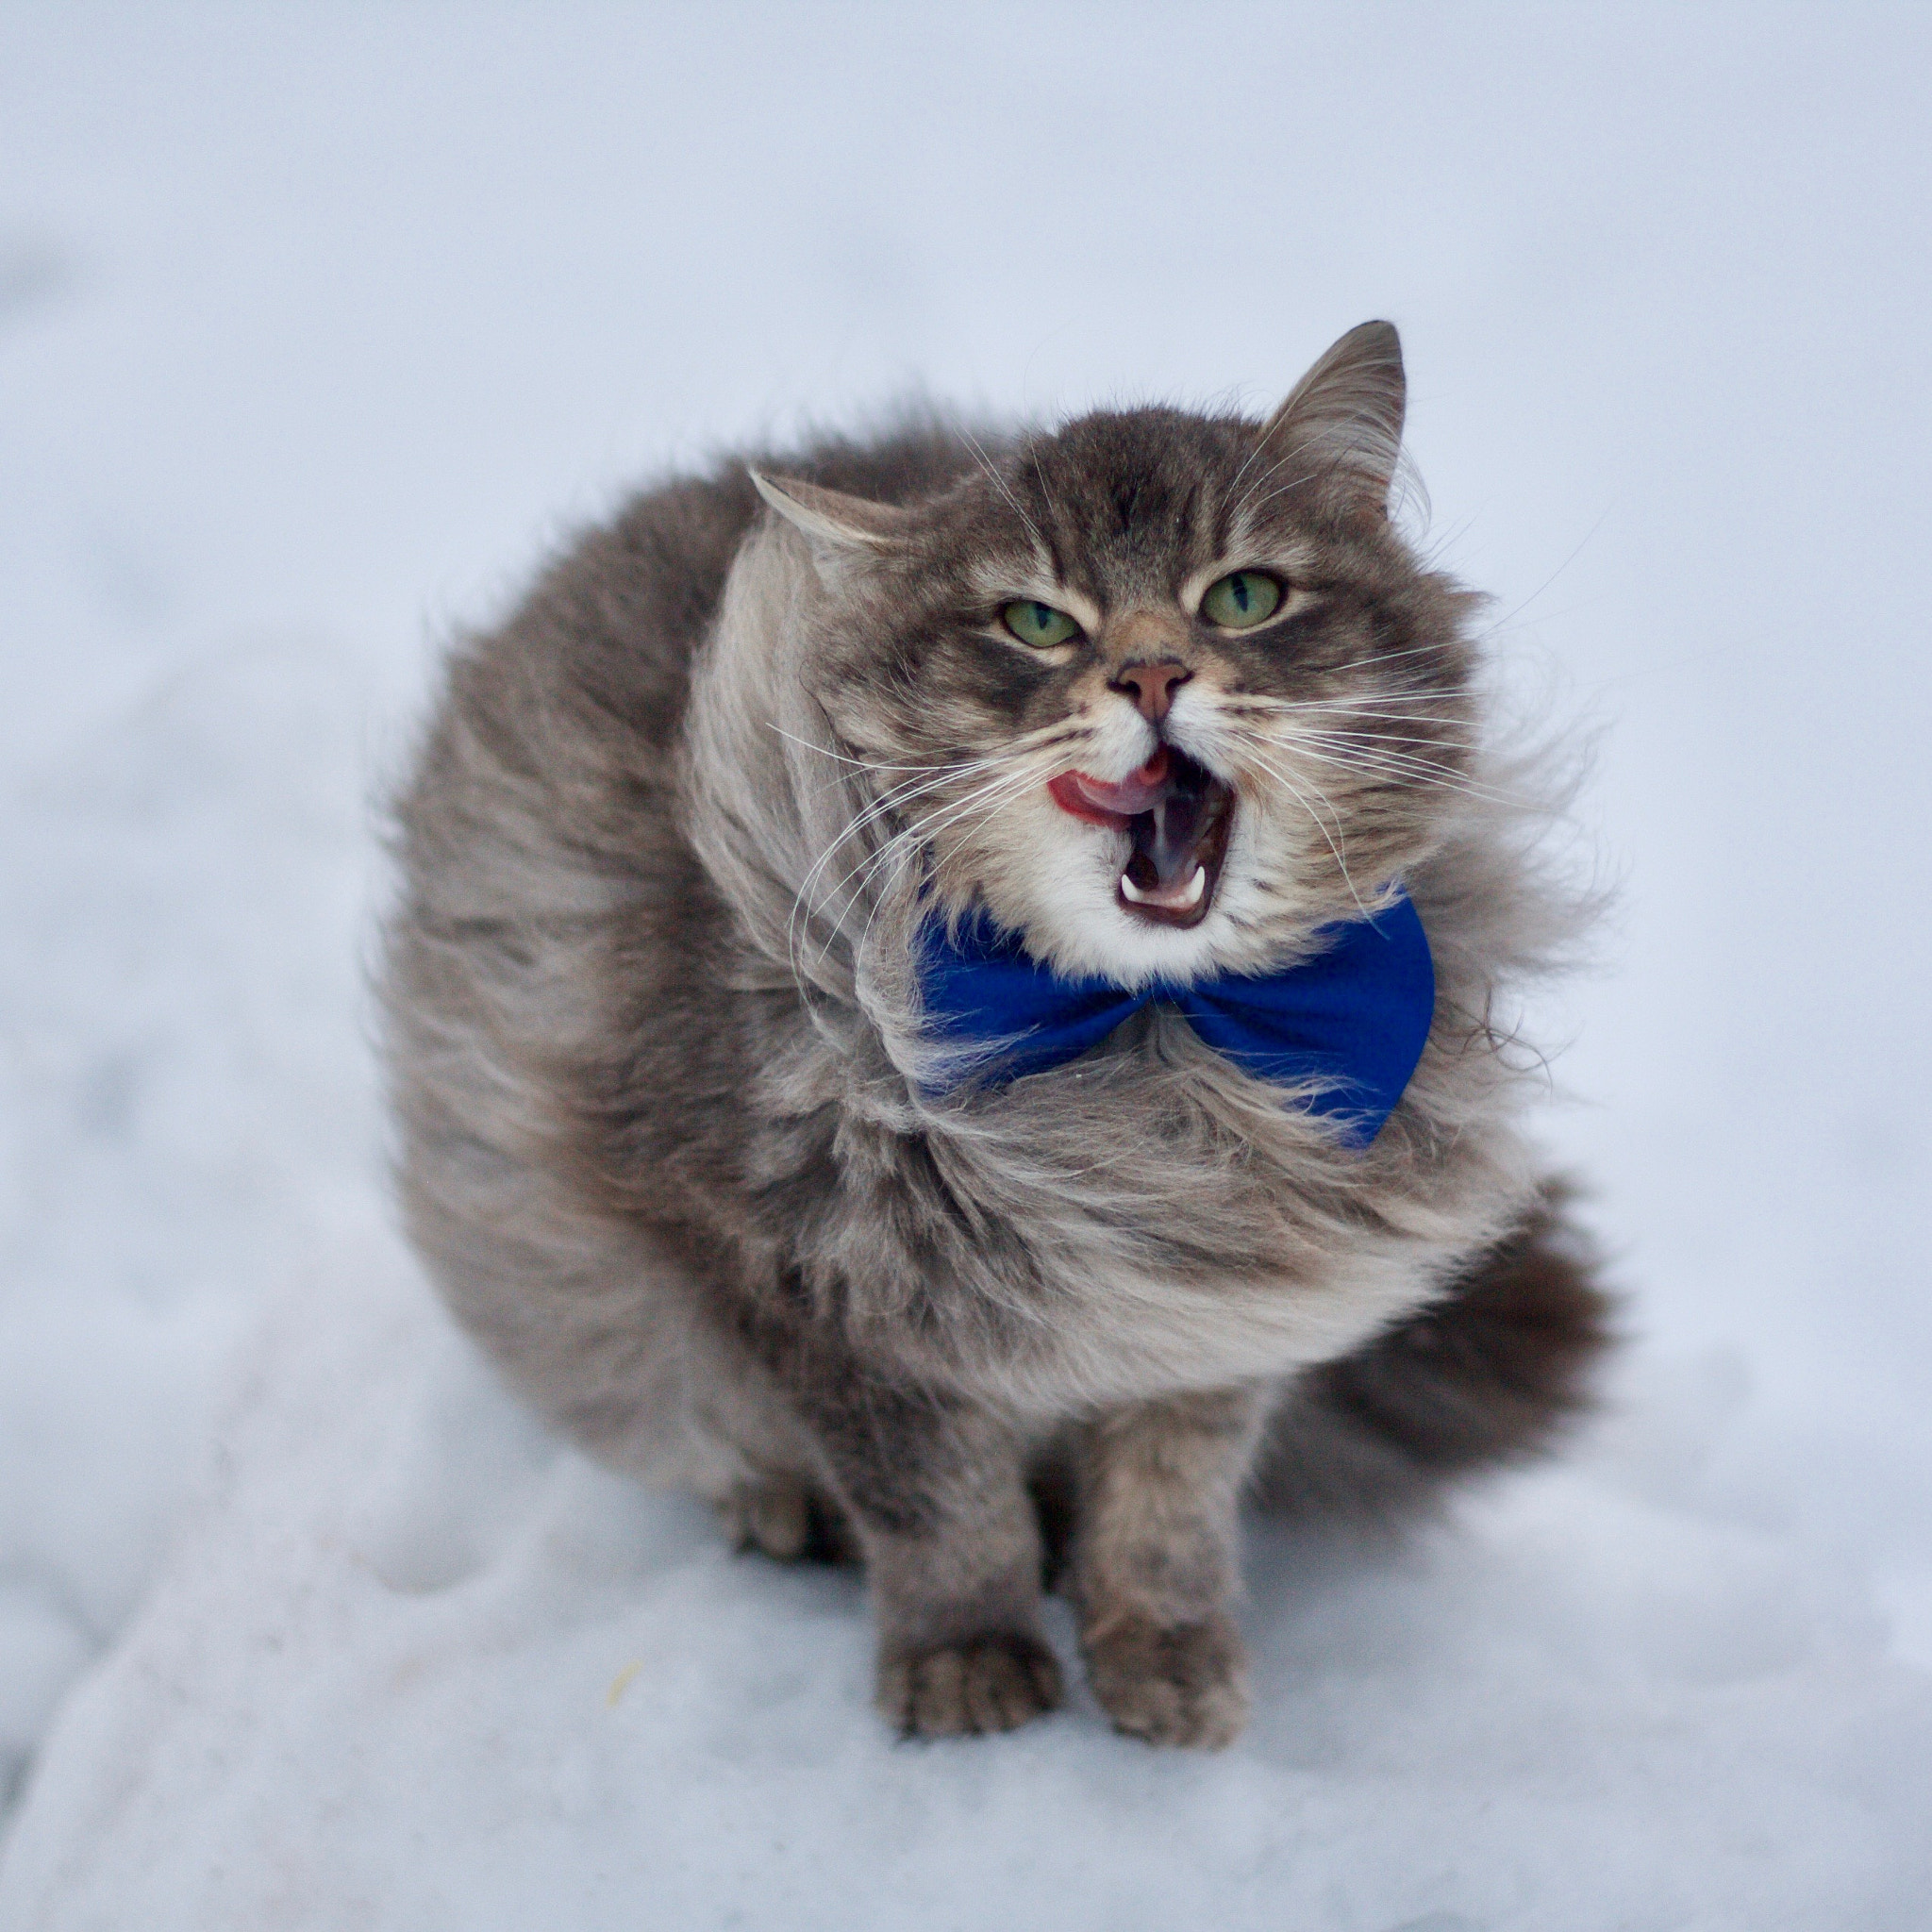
{"points": [[1016, 769], [1394, 766], [925, 780], [1000, 484], [1288, 785], [1001, 791]]}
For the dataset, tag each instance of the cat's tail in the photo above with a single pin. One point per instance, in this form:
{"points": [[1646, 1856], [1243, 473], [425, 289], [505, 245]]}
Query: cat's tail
{"points": [[1488, 1374]]}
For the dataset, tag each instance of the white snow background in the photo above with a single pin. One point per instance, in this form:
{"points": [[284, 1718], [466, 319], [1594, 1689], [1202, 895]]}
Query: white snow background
{"points": [[318, 327]]}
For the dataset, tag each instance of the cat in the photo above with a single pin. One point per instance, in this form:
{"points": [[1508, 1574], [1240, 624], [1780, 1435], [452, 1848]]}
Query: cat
{"points": [[712, 855]]}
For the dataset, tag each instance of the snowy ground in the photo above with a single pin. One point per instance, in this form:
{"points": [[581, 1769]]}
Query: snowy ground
{"points": [[316, 327]]}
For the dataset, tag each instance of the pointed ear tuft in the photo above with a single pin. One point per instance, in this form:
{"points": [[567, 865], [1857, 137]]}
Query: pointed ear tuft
{"points": [[830, 518], [1343, 418]]}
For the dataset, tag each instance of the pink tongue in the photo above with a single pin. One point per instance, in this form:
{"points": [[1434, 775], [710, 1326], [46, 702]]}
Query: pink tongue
{"points": [[1138, 793]]}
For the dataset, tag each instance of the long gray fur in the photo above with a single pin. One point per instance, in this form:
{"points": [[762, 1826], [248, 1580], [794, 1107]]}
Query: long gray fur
{"points": [[668, 1146]]}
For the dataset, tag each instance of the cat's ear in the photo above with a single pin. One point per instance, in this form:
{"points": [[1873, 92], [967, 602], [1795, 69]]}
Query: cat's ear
{"points": [[833, 521], [1343, 418]]}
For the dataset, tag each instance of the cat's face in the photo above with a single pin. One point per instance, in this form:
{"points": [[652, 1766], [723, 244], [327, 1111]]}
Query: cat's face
{"points": [[1160, 692]]}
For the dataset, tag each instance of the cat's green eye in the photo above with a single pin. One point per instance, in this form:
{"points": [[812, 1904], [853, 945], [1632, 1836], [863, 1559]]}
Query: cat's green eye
{"points": [[1242, 599], [1039, 625]]}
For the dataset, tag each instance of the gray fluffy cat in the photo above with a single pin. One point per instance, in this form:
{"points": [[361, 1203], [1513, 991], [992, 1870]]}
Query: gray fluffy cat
{"points": [[1163, 694]]}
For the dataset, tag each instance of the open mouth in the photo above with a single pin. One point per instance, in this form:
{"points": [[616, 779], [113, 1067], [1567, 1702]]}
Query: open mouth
{"points": [[1176, 812]]}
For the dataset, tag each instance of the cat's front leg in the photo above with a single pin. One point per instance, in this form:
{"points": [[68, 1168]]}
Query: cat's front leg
{"points": [[1157, 1563], [936, 1488]]}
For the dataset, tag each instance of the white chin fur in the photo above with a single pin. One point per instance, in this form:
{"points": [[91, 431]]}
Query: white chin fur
{"points": [[1058, 881], [1055, 880]]}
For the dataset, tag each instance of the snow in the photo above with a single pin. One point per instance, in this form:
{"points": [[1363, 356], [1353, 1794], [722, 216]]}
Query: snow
{"points": [[317, 326]]}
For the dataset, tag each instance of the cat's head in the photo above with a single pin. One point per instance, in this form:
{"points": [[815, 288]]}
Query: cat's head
{"points": [[1161, 691]]}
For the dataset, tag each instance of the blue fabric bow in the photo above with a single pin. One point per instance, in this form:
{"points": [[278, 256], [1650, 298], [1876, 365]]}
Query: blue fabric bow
{"points": [[1356, 1015]]}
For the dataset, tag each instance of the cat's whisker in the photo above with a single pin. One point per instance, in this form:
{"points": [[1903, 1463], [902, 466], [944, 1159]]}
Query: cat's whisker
{"points": [[998, 764], [926, 831], [1015, 786], [993, 808], [1304, 724], [1375, 744], [803, 911], [1429, 650], [1253, 508], [1043, 733], [1377, 739], [1054, 513], [1378, 657], [1376, 758], [1335, 843], [1454, 735], [1375, 736], [896, 798], [1439, 742], [871, 766], [1038, 734], [1418, 772], [901, 848], [1295, 452], [1053, 735], [1395, 710], [1259, 704], [1001, 484], [1017, 772], [1261, 444], [1253, 499]]}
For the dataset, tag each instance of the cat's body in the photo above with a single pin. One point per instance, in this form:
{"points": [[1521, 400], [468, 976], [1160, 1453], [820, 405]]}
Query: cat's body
{"points": [[682, 1150]]}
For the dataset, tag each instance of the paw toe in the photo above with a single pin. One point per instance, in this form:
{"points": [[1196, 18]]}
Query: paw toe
{"points": [[983, 1684], [1172, 1684]]}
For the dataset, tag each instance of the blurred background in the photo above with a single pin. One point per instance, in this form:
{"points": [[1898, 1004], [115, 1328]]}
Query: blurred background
{"points": [[320, 326]]}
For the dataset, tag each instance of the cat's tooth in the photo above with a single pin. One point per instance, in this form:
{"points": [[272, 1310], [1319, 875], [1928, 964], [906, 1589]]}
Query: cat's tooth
{"points": [[1161, 896]]}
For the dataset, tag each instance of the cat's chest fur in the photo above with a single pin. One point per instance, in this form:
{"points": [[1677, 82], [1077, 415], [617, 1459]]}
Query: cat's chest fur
{"points": [[1144, 1220]]}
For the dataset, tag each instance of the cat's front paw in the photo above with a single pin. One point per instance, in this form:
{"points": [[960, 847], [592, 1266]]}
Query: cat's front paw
{"points": [[1170, 1684], [989, 1683]]}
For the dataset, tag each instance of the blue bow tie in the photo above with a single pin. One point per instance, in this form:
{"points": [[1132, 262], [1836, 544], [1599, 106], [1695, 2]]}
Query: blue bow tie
{"points": [[1356, 1015]]}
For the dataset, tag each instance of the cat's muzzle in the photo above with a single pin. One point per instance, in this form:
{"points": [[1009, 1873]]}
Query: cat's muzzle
{"points": [[1176, 814]]}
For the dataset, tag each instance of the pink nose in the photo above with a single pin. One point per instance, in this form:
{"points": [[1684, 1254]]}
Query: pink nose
{"points": [[1151, 687]]}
